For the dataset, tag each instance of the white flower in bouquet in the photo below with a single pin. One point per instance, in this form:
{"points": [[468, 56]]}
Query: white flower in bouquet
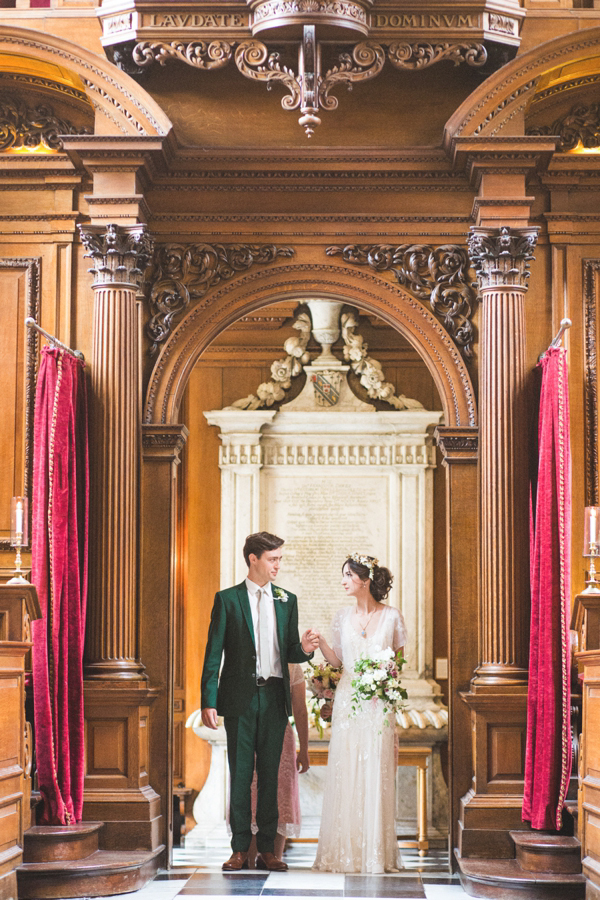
{"points": [[378, 678]]}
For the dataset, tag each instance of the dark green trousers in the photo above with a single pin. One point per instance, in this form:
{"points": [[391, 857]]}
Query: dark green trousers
{"points": [[256, 735]]}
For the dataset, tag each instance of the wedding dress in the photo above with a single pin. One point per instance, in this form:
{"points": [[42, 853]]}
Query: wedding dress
{"points": [[358, 831]]}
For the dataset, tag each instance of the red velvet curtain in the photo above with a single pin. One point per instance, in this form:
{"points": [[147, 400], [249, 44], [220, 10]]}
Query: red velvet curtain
{"points": [[59, 571], [548, 752]]}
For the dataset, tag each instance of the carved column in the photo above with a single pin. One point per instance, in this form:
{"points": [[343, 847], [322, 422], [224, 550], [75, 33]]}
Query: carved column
{"points": [[501, 259], [118, 698], [120, 255], [498, 695]]}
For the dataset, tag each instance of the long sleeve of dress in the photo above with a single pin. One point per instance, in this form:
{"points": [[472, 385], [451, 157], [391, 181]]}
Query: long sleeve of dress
{"points": [[399, 639], [336, 633]]}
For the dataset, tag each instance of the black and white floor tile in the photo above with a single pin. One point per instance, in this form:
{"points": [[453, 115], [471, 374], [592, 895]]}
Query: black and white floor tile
{"points": [[197, 873]]}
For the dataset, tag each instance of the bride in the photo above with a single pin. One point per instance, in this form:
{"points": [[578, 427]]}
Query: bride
{"points": [[358, 821]]}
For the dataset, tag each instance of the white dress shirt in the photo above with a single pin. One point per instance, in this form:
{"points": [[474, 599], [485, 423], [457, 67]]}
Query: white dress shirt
{"points": [[267, 599]]}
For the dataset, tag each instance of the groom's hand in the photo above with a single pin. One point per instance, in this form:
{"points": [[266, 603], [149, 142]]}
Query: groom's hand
{"points": [[209, 717], [310, 641]]}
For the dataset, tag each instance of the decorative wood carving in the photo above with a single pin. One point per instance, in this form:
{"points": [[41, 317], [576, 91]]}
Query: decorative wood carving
{"points": [[350, 14], [200, 54], [501, 259], [183, 273], [25, 126], [591, 299], [365, 62], [581, 125], [32, 268], [361, 289], [120, 254], [437, 275], [420, 54], [506, 93], [309, 90], [131, 111]]}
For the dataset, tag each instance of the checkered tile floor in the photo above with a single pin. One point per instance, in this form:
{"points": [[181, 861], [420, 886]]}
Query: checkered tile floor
{"points": [[197, 873]]}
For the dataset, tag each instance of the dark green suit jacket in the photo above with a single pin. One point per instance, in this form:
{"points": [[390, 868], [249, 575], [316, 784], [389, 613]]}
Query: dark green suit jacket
{"points": [[231, 633]]}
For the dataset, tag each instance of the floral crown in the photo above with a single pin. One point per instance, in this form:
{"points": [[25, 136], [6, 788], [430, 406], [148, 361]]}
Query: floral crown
{"points": [[369, 561]]}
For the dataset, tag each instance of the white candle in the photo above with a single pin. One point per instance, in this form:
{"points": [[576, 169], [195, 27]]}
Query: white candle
{"points": [[593, 532], [19, 518]]}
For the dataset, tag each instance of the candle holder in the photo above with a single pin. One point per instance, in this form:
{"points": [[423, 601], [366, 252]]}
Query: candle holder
{"points": [[19, 534], [591, 547]]}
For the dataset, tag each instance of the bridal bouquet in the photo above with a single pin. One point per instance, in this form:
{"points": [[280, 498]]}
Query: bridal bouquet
{"points": [[322, 682], [378, 678]]}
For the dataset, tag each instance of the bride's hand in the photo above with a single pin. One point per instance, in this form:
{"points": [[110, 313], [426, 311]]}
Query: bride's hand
{"points": [[326, 711]]}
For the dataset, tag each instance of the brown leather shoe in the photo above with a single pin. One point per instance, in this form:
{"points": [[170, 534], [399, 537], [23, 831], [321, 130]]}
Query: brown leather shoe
{"points": [[236, 862], [270, 862]]}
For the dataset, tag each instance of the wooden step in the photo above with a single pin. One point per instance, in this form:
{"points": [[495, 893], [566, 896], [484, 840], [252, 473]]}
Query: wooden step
{"points": [[538, 851], [101, 874], [504, 879], [52, 843]]}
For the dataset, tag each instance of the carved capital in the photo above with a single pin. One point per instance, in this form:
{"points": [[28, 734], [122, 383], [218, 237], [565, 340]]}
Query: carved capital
{"points": [[501, 256], [459, 445], [163, 441], [120, 253]]}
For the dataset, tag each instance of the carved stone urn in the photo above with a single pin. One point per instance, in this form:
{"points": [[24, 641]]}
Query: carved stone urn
{"points": [[325, 315], [334, 19]]}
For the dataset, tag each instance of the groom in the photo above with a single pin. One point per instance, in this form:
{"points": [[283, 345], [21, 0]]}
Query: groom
{"points": [[255, 624]]}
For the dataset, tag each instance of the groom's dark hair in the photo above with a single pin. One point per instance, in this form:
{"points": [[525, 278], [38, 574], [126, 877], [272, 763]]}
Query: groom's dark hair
{"points": [[259, 542]]}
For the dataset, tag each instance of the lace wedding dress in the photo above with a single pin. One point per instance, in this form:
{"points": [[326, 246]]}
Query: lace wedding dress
{"points": [[358, 819]]}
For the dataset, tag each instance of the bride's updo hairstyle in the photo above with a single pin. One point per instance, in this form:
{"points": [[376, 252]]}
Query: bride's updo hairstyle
{"points": [[381, 578]]}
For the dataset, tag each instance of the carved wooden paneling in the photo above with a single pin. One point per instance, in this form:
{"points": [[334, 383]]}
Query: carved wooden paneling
{"points": [[591, 299], [12, 761], [107, 747], [19, 298], [589, 782], [506, 752]]}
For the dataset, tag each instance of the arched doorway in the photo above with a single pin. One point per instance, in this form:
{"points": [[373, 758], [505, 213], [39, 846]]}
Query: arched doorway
{"points": [[457, 440]]}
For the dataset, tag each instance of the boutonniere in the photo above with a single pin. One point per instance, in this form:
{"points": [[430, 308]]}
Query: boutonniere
{"points": [[281, 595]]}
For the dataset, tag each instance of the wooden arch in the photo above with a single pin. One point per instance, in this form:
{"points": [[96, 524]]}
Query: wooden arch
{"points": [[205, 321], [122, 107], [506, 94]]}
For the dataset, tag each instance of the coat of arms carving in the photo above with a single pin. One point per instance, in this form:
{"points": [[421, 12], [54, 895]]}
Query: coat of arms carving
{"points": [[327, 385]]}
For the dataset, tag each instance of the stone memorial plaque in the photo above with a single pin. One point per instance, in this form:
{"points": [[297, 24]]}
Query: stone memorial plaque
{"points": [[323, 518]]}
